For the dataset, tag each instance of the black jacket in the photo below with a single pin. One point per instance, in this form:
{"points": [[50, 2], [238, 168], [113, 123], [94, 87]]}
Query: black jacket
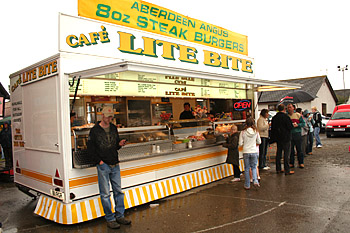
{"points": [[232, 152], [6, 138], [187, 115], [281, 128], [99, 148], [317, 119]]}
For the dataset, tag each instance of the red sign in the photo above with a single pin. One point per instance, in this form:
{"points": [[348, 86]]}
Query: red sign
{"points": [[242, 105]]}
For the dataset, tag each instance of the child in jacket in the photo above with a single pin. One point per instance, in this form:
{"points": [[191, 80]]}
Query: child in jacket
{"points": [[249, 139], [232, 153]]}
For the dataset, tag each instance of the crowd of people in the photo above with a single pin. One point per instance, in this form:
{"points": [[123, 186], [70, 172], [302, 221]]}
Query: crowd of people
{"points": [[292, 129]]}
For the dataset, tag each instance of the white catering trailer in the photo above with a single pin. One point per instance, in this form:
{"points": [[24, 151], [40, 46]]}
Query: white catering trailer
{"points": [[146, 78]]}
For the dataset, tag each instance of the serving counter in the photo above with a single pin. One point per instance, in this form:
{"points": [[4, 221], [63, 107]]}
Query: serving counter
{"points": [[149, 141]]}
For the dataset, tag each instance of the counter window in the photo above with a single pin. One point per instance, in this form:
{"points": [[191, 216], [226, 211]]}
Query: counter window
{"points": [[139, 113]]}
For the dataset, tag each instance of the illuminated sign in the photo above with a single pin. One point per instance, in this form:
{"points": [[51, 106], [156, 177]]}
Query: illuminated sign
{"points": [[242, 105]]}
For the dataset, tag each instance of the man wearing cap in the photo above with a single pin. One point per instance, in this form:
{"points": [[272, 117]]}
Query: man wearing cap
{"points": [[103, 145]]}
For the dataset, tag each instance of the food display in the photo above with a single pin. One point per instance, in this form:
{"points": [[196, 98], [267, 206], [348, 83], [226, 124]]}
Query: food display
{"points": [[209, 134], [197, 138], [222, 128], [86, 126], [200, 112], [165, 116]]}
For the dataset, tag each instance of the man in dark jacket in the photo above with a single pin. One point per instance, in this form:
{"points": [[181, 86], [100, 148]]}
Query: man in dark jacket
{"points": [[317, 126], [187, 114], [281, 127], [6, 144], [103, 145]]}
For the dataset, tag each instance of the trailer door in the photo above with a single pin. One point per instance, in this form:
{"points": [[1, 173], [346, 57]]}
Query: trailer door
{"points": [[40, 121]]}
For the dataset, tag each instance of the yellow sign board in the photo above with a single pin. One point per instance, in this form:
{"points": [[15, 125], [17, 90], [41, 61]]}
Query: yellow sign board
{"points": [[152, 18]]}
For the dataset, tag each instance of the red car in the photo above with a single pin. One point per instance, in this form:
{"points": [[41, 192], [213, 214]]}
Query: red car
{"points": [[339, 124], [341, 106]]}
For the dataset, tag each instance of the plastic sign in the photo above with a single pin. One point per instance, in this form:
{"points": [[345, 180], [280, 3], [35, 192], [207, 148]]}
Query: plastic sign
{"points": [[84, 36], [242, 105], [146, 16]]}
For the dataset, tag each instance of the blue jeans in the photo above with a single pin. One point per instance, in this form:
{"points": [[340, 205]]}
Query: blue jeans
{"points": [[296, 142], [263, 152], [105, 175], [310, 142], [317, 135], [250, 161]]}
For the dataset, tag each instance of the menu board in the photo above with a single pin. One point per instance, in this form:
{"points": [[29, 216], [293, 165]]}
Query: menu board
{"points": [[156, 85]]}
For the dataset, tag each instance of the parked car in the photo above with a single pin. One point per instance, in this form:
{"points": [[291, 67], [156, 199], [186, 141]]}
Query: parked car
{"points": [[271, 114], [341, 106], [325, 119], [339, 124]]}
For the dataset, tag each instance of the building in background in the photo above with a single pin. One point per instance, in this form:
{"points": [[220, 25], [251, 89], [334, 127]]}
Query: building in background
{"points": [[325, 98], [5, 106]]}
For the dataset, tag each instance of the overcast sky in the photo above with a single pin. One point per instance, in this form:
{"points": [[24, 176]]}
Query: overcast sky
{"points": [[287, 39]]}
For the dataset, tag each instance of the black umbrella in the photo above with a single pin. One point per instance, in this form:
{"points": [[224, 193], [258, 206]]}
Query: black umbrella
{"points": [[296, 97]]}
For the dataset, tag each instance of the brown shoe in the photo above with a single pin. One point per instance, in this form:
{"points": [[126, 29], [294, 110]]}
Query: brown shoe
{"points": [[301, 165], [123, 221], [291, 165], [113, 225], [310, 153], [289, 173]]}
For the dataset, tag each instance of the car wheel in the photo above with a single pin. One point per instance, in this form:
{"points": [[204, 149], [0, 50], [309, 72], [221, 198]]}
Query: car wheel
{"points": [[329, 135]]}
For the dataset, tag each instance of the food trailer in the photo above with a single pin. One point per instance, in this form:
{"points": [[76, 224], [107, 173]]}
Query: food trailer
{"points": [[146, 78]]}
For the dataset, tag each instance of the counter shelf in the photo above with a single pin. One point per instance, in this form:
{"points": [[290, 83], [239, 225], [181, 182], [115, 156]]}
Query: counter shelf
{"points": [[216, 123], [189, 120], [220, 135], [193, 133], [140, 142], [80, 156], [137, 148]]}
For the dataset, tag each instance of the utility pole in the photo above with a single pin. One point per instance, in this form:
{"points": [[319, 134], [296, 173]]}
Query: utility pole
{"points": [[343, 69]]}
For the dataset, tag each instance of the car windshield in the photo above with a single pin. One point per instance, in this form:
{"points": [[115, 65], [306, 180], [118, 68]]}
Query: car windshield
{"points": [[341, 115]]}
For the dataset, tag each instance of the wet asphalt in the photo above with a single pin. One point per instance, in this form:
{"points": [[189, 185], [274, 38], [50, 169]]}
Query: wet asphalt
{"points": [[314, 199]]}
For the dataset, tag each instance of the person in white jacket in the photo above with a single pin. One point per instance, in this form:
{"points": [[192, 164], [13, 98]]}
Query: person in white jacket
{"points": [[263, 128], [250, 139]]}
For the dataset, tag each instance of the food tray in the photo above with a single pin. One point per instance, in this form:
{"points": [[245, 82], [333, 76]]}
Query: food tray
{"points": [[196, 144], [180, 146]]}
